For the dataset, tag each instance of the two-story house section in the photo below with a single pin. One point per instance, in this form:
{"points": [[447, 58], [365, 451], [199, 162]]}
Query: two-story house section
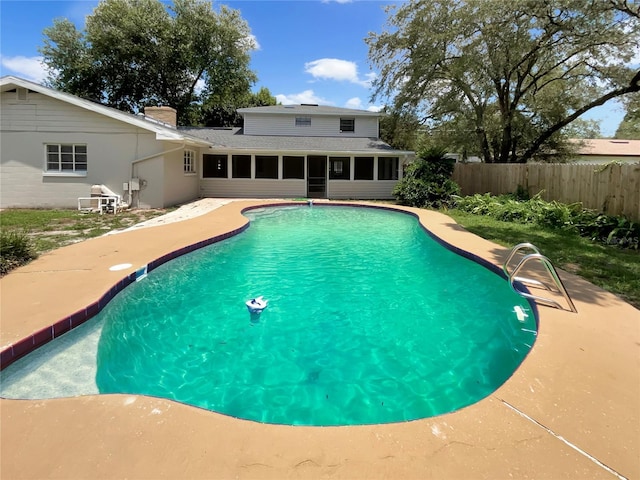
{"points": [[289, 151], [56, 149]]}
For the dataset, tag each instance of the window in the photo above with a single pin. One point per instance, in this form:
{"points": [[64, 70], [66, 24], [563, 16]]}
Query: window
{"points": [[388, 168], [66, 158], [363, 169], [214, 166], [266, 166], [241, 166], [347, 125], [189, 162], [303, 121], [339, 168], [292, 167]]}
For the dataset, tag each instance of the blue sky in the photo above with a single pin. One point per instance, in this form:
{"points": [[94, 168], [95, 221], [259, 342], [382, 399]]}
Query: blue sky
{"points": [[309, 51]]}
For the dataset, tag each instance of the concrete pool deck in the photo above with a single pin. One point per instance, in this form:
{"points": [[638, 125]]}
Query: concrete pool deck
{"points": [[572, 409]]}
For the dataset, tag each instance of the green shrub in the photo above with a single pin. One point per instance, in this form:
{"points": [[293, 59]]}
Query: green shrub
{"points": [[427, 181], [16, 249], [607, 229]]}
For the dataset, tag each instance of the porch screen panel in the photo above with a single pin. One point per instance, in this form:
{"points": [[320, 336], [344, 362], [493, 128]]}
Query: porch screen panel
{"points": [[293, 167], [241, 166], [388, 168], [266, 166], [339, 168], [214, 166], [363, 169]]}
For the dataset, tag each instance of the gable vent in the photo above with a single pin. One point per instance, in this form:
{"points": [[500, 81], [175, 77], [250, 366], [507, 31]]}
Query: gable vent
{"points": [[22, 94]]}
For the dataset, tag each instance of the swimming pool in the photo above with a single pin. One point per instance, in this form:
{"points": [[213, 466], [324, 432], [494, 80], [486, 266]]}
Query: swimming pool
{"points": [[369, 321]]}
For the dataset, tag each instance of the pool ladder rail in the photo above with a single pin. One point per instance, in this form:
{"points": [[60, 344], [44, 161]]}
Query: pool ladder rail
{"points": [[536, 256]]}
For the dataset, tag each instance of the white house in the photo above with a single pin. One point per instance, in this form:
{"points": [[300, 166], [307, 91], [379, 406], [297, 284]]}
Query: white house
{"points": [[300, 151], [55, 146]]}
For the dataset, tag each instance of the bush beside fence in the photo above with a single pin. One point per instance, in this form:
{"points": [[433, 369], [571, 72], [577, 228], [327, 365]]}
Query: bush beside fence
{"points": [[613, 189]]}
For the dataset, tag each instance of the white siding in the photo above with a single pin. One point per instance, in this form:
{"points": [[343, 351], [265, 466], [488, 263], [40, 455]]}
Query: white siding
{"points": [[40, 113], [112, 146], [361, 189], [257, 188], [24, 183], [321, 126], [178, 187], [151, 175]]}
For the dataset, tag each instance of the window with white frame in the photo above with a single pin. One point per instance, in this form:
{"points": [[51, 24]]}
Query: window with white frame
{"points": [[347, 125], [189, 163], [303, 121], [66, 158]]}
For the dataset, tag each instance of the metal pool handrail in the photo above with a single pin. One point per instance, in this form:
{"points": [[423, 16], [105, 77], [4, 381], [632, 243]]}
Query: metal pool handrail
{"points": [[513, 278]]}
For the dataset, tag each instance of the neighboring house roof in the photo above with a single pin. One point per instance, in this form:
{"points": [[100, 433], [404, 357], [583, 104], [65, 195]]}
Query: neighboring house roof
{"points": [[308, 109], [608, 147], [234, 139], [162, 131]]}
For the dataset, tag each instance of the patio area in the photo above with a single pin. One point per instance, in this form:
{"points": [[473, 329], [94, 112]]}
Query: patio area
{"points": [[572, 409]]}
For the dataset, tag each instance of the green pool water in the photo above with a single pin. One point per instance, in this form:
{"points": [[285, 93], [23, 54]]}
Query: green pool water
{"points": [[369, 320]]}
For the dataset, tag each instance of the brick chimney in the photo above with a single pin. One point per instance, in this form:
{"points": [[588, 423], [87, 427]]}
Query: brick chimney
{"points": [[166, 115]]}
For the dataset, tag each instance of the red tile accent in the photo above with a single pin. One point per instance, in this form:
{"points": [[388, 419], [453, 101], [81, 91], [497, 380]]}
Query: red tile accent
{"points": [[21, 348], [41, 337], [63, 326], [6, 357], [78, 318]]}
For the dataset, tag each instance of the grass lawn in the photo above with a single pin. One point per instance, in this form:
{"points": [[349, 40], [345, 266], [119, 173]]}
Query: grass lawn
{"points": [[51, 229], [610, 268]]}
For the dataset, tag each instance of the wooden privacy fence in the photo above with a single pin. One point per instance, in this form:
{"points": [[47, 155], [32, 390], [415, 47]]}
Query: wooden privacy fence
{"points": [[613, 188]]}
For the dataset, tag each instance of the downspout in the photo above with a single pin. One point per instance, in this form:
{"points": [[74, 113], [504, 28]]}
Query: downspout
{"points": [[149, 157]]}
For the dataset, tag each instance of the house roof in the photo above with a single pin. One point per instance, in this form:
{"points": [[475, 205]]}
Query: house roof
{"points": [[608, 147], [234, 139], [307, 109], [162, 131]]}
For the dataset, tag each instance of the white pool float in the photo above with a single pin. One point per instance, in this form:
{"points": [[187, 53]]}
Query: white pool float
{"points": [[256, 305]]}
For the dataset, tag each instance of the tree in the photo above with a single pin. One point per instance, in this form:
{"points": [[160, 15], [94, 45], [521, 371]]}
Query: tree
{"points": [[629, 128], [221, 111], [427, 181], [512, 74], [138, 52], [400, 129]]}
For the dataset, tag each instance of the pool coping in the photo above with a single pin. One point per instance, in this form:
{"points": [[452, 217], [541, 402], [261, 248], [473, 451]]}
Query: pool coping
{"points": [[570, 410]]}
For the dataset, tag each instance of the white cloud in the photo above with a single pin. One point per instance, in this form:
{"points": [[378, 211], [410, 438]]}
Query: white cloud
{"points": [[307, 96], [354, 102], [336, 69], [29, 68]]}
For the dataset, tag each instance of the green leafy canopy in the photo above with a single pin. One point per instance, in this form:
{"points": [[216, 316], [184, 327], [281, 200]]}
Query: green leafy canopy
{"points": [[503, 79], [134, 53]]}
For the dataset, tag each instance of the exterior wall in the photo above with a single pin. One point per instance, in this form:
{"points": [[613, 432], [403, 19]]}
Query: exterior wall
{"points": [[151, 175], [321, 126], [252, 188], [28, 125], [179, 187], [361, 189], [293, 188]]}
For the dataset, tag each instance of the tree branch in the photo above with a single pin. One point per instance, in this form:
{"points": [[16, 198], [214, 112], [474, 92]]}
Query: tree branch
{"points": [[634, 86]]}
